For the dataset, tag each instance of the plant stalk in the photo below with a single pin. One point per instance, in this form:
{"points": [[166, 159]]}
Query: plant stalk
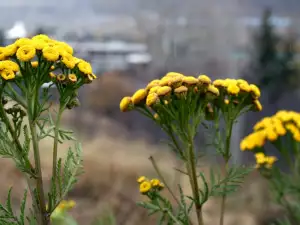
{"points": [[226, 159], [55, 145]]}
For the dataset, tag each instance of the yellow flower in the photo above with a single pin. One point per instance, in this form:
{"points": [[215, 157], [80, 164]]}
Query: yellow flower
{"points": [[50, 54], [72, 77], [233, 89], [69, 62], [23, 41], [212, 89], [145, 187], [7, 74], [52, 75], [139, 96], [34, 64], [141, 179], [152, 84], [181, 91], [175, 81], [204, 79], [270, 160], [10, 50], [244, 87], [61, 77], [66, 47], [39, 44], [11, 65], [226, 101], [189, 80], [26, 53], [257, 105], [165, 81], [155, 182], [3, 53], [255, 91], [219, 83], [125, 103], [271, 134], [152, 98], [85, 67], [91, 77], [52, 67], [279, 128], [40, 37], [265, 122], [153, 89], [156, 116], [260, 158], [174, 74], [162, 91]]}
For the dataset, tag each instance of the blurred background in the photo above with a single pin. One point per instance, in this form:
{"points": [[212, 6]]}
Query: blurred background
{"points": [[131, 42]]}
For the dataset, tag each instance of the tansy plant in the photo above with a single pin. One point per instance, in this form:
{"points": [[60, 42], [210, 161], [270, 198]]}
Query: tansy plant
{"points": [[24, 67], [281, 131], [180, 105]]}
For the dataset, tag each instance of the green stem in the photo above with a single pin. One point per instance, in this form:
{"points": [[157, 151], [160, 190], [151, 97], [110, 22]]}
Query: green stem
{"points": [[191, 168], [55, 145], [226, 159]]}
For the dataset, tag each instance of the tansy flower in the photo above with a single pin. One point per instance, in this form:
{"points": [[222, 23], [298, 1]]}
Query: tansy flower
{"points": [[85, 67], [257, 105], [141, 179], [226, 101], [10, 65], [244, 87], [66, 47], [23, 41], [7, 74], [139, 96], [52, 75], [90, 77], [145, 187], [189, 80], [154, 89], [152, 84], [125, 103], [72, 77], [175, 81], [181, 91], [233, 89], [26, 53], [61, 77], [174, 74], [255, 90], [219, 83], [165, 81], [34, 64], [69, 62], [156, 116], [39, 44], [10, 50], [212, 89], [162, 91], [204, 79], [3, 53], [50, 54], [40, 37], [151, 99]]}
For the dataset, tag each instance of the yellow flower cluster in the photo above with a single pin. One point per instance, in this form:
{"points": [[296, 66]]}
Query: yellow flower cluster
{"points": [[147, 185], [264, 161], [178, 86], [46, 54], [271, 128]]}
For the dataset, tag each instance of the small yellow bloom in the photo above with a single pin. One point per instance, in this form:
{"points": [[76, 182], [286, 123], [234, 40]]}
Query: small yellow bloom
{"points": [[66, 47], [72, 77], [7, 74], [69, 62], [219, 83], [257, 105], [11, 65], [270, 160], [152, 84], [181, 91], [34, 64], [255, 91], [226, 101], [175, 81], [189, 80], [141, 179], [91, 77], [204, 79], [165, 81], [155, 182], [10, 50], [271, 134], [39, 44], [61, 77], [233, 89], [85, 67], [23, 41], [162, 91], [52, 75], [153, 89], [3, 53], [50, 54], [212, 89], [139, 96], [244, 87], [145, 187], [152, 98], [40, 37], [26, 53], [156, 116], [125, 103], [174, 74]]}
